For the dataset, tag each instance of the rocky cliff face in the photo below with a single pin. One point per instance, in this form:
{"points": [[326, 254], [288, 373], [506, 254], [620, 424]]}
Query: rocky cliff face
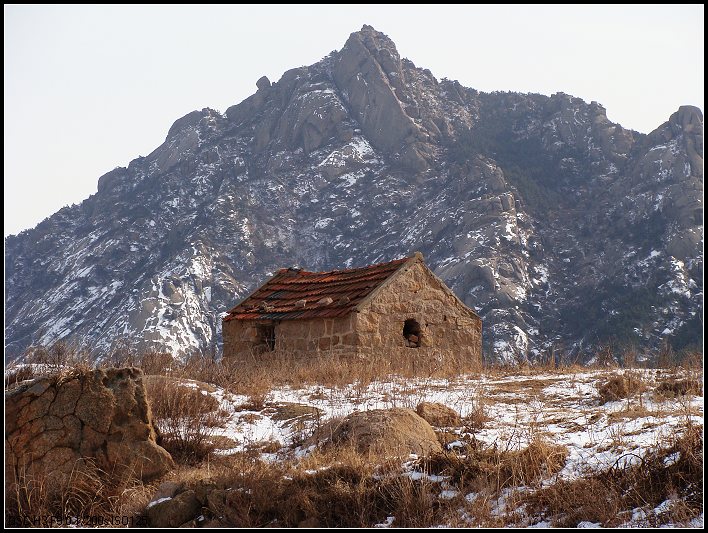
{"points": [[562, 229]]}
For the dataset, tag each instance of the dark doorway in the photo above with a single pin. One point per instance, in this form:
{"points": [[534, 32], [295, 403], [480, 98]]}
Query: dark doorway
{"points": [[411, 332], [266, 336]]}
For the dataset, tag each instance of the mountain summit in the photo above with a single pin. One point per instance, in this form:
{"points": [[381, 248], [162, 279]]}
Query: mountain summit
{"points": [[563, 230]]}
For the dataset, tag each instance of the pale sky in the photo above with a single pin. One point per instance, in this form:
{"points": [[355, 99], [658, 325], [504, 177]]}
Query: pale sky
{"points": [[88, 89]]}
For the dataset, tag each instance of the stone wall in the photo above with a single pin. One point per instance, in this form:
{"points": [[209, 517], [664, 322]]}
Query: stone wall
{"points": [[448, 328], [327, 335], [243, 340], [54, 424]]}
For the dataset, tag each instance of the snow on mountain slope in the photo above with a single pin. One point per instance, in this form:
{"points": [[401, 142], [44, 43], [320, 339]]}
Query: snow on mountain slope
{"points": [[562, 229]]}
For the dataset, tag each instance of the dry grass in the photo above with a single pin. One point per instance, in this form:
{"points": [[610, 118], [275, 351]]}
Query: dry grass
{"points": [[527, 386], [16, 375], [256, 377], [340, 488], [631, 412], [184, 418], [87, 496], [621, 386], [671, 472], [487, 468], [326, 489]]}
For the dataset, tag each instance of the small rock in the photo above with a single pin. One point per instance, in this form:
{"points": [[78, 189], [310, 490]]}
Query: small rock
{"points": [[168, 489]]}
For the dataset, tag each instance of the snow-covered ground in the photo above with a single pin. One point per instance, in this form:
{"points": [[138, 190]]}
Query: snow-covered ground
{"points": [[564, 408]]}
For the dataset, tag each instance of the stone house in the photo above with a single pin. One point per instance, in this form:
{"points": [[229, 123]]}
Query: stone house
{"points": [[399, 306]]}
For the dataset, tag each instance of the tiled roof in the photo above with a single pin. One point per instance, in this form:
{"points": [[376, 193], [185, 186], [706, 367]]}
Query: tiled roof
{"points": [[297, 294]]}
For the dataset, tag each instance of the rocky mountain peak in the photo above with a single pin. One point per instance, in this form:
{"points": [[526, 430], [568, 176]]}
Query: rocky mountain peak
{"points": [[379, 45], [369, 73], [562, 229]]}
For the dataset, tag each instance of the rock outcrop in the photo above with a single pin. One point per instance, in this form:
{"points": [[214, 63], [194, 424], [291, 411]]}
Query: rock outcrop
{"points": [[386, 432], [56, 424], [263, 83]]}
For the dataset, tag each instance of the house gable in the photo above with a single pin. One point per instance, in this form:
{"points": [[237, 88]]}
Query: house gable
{"points": [[436, 282], [415, 309]]}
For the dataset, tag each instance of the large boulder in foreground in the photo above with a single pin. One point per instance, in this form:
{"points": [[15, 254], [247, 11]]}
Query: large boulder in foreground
{"points": [[386, 432], [57, 424]]}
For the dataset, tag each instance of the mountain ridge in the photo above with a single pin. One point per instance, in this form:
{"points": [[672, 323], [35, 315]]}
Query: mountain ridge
{"points": [[561, 228]]}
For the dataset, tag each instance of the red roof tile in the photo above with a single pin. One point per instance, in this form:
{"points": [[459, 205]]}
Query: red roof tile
{"points": [[280, 298]]}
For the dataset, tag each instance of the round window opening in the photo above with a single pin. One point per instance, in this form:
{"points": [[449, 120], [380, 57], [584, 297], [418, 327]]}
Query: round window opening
{"points": [[411, 333]]}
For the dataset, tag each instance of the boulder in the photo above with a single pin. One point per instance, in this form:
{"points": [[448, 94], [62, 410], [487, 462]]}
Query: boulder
{"points": [[173, 512], [57, 423], [386, 432], [437, 414]]}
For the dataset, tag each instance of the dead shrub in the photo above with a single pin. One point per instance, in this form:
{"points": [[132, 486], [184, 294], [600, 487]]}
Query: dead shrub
{"points": [[621, 386], [477, 417], [692, 360], [605, 357], [184, 417], [256, 402], [567, 503], [679, 387], [122, 354], [483, 467], [263, 446], [540, 459], [61, 354], [674, 472], [157, 363], [16, 375], [667, 356]]}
